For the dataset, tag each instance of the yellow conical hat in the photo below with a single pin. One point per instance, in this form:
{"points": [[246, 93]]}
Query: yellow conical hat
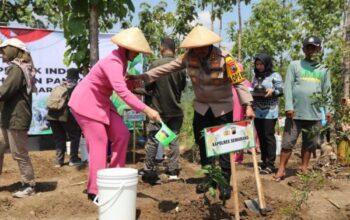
{"points": [[200, 36], [132, 39]]}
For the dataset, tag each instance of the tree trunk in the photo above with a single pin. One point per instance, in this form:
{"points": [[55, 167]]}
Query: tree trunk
{"points": [[93, 26], [346, 54], [239, 44], [212, 18], [220, 30]]}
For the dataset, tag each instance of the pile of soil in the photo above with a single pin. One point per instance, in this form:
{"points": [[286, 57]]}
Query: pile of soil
{"points": [[60, 194]]}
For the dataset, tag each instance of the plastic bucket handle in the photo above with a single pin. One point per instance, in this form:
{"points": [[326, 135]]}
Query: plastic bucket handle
{"points": [[112, 198]]}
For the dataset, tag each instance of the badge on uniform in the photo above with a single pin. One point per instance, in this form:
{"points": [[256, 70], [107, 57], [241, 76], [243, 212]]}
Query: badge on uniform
{"points": [[233, 70]]}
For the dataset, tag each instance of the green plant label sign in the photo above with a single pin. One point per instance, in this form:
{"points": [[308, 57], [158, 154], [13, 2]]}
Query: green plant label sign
{"points": [[229, 138]]}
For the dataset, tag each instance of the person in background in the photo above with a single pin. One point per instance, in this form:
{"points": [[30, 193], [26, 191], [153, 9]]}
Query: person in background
{"points": [[16, 115], [165, 96], [304, 78], [2, 140], [64, 126], [2, 143], [238, 115], [205, 64], [92, 108], [266, 109]]}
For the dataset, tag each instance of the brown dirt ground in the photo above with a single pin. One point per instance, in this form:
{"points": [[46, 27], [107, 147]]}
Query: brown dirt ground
{"points": [[60, 194]]}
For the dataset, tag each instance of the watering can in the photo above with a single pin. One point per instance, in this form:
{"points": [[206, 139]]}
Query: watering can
{"points": [[165, 136]]}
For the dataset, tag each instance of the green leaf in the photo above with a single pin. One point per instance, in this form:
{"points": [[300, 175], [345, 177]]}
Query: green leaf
{"points": [[76, 25], [212, 192]]}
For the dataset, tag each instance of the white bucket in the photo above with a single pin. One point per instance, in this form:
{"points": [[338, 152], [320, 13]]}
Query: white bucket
{"points": [[117, 193], [278, 144]]}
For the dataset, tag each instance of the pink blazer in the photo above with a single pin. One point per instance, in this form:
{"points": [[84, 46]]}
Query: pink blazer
{"points": [[91, 96]]}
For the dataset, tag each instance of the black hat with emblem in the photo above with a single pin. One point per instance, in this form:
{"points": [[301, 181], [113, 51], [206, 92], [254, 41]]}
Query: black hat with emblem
{"points": [[312, 40]]}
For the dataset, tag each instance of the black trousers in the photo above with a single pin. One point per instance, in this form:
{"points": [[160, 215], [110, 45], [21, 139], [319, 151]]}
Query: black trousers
{"points": [[66, 131], [266, 133], [208, 120]]}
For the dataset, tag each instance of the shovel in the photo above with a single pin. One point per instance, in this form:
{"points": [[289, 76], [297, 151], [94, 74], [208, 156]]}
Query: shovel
{"points": [[252, 205], [260, 204]]}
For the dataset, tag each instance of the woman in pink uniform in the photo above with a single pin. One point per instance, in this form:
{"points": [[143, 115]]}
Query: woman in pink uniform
{"points": [[94, 112], [238, 115]]}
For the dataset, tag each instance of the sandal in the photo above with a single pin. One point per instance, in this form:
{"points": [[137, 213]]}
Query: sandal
{"points": [[279, 178], [300, 172]]}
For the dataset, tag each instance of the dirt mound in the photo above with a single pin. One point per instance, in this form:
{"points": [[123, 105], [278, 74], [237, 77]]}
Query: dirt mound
{"points": [[60, 194]]}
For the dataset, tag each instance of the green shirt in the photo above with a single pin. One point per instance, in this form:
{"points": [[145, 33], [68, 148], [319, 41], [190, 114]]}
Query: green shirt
{"points": [[304, 78]]}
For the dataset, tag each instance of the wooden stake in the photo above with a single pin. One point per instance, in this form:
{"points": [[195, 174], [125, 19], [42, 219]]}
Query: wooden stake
{"points": [[234, 185], [134, 144], [262, 203]]}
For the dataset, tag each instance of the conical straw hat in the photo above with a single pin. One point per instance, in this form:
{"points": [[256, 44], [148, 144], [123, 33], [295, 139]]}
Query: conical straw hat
{"points": [[200, 36], [132, 39]]}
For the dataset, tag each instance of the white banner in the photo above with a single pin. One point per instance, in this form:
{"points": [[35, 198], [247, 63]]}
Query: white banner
{"points": [[47, 49]]}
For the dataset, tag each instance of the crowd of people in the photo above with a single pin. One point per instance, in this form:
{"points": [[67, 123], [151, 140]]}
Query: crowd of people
{"points": [[217, 101]]}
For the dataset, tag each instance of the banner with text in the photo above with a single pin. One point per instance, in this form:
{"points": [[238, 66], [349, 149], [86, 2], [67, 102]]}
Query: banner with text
{"points": [[47, 49]]}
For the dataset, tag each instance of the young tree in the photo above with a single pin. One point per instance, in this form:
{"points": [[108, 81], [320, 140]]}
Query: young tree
{"points": [[157, 22], [154, 22], [82, 22], [269, 29], [218, 8], [185, 14]]}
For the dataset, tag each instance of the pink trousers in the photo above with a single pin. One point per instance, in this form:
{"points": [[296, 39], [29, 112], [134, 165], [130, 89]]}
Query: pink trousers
{"points": [[97, 135]]}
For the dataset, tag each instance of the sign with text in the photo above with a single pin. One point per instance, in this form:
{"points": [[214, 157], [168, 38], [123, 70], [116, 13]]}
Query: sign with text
{"points": [[229, 138], [47, 49]]}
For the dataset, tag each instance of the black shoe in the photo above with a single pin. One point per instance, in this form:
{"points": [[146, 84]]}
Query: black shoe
{"points": [[141, 172], [75, 162], [150, 176], [91, 196], [225, 192], [267, 170], [261, 165]]}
